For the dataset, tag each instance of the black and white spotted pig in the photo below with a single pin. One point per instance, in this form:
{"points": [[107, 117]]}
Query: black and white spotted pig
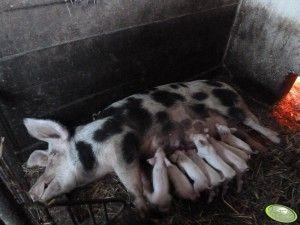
{"points": [[112, 143]]}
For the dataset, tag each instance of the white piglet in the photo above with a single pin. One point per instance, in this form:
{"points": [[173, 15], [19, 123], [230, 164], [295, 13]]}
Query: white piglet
{"points": [[192, 170], [239, 164], [214, 178], [160, 195], [182, 185], [207, 151]]}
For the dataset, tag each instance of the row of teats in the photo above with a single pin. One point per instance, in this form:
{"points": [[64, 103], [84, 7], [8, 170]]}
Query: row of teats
{"points": [[196, 156]]}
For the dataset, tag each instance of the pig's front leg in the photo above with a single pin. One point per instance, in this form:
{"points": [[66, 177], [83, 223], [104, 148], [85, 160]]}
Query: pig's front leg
{"points": [[130, 176]]}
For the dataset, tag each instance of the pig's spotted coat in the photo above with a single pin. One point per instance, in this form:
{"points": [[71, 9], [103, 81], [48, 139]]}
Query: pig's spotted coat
{"points": [[236, 113], [166, 98], [199, 96], [130, 145], [200, 109], [174, 86], [128, 130], [161, 116], [227, 97], [110, 127], [86, 155], [132, 117]]}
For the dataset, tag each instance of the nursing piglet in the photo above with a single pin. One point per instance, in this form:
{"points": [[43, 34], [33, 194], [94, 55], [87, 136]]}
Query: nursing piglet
{"points": [[206, 150], [160, 195], [232, 159], [182, 185], [214, 178], [192, 170]]}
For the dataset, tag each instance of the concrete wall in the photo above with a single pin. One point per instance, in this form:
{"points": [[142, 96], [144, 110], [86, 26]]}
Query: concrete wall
{"points": [[66, 61], [265, 43], [32, 24]]}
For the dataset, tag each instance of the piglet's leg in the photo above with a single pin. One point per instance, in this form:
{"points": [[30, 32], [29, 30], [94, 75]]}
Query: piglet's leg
{"points": [[212, 195], [225, 187], [130, 176], [239, 181]]}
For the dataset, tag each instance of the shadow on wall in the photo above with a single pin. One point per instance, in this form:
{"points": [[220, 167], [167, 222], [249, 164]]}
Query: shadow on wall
{"points": [[265, 43]]}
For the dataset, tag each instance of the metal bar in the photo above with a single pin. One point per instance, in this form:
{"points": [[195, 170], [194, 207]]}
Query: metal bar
{"points": [[72, 215], [105, 213], [11, 181], [90, 209], [84, 202], [41, 207], [91, 202]]}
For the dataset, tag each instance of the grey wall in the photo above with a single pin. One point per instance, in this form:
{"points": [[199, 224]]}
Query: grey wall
{"points": [[29, 24], [67, 61], [265, 44]]}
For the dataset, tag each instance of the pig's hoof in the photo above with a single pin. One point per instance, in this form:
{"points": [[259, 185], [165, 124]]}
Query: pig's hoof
{"points": [[275, 139], [142, 208]]}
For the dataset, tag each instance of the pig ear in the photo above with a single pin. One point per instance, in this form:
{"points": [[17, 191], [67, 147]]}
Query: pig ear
{"points": [[45, 130], [38, 158], [151, 161]]}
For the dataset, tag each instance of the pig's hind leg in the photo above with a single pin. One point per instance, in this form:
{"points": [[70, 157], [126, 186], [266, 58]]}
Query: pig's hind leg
{"points": [[229, 103], [244, 115]]}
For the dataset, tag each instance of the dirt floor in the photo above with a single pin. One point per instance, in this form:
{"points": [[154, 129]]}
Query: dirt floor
{"points": [[274, 178]]}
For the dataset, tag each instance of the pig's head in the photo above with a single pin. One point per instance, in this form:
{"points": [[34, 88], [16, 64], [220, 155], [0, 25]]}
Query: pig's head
{"points": [[203, 146], [59, 174]]}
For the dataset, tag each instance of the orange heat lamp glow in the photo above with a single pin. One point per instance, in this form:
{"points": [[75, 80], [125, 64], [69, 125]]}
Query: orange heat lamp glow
{"points": [[287, 110]]}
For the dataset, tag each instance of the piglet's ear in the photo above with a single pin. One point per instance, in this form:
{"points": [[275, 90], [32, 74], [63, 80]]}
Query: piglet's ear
{"points": [[46, 130], [151, 161], [38, 158]]}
